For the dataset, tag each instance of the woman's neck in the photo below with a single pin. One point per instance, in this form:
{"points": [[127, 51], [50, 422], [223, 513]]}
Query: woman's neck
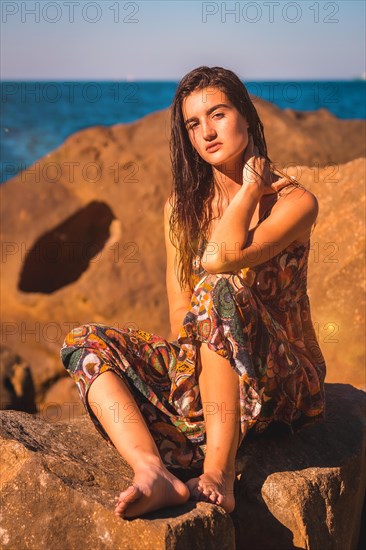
{"points": [[230, 179], [229, 186]]}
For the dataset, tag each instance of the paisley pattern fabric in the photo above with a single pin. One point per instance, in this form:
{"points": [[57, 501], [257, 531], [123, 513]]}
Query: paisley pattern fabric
{"points": [[146, 362], [258, 318]]}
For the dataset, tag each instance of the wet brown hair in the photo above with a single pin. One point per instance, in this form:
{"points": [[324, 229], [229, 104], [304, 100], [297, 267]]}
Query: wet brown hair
{"points": [[193, 183]]}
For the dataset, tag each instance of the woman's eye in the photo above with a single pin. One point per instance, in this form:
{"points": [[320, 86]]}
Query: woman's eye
{"points": [[191, 126]]}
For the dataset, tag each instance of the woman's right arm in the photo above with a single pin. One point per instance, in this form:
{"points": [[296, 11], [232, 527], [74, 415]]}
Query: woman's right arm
{"points": [[179, 299]]}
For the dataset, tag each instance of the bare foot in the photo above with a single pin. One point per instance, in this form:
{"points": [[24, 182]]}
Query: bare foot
{"points": [[153, 487], [214, 486]]}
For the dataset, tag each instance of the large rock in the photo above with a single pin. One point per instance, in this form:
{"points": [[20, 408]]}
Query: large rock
{"points": [[306, 490], [315, 138], [336, 269], [83, 237], [300, 491], [58, 484], [61, 401]]}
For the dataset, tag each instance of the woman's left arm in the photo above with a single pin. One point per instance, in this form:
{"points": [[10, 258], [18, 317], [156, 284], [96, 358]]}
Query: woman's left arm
{"points": [[233, 246]]}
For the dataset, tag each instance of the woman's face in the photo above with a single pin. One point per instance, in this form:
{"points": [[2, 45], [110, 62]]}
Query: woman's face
{"points": [[216, 129]]}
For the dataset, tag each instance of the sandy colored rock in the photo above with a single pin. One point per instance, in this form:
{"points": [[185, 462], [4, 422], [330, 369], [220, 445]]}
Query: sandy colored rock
{"points": [[305, 490], [294, 491], [315, 138], [58, 483], [61, 401], [83, 235], [336, 283], [336, 271]]}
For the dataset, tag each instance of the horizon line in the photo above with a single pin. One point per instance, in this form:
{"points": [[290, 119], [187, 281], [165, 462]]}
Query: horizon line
{"points": [[173, 80]]}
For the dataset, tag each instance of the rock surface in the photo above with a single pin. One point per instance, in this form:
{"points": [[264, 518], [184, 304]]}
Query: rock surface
{"points": [[336, 282], [61, 401], [83, 235], [294, 491], [58, 484], [306, 490]]}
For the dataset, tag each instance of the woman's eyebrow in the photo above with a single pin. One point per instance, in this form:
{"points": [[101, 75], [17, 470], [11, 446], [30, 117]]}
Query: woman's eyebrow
{"points": [[209, 111]]}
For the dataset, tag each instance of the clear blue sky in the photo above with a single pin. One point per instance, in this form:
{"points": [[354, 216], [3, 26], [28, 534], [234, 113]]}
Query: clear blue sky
{"points": [[163, 40]]}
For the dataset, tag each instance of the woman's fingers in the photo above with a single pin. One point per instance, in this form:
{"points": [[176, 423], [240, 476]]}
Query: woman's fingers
{"points": [[256, 170]]}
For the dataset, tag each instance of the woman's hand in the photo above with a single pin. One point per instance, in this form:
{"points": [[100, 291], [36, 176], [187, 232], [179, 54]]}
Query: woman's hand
{"points": [[256, 171], [260, 185]]}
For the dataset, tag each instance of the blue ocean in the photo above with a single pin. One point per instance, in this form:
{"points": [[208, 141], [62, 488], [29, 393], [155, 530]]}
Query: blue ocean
{"points": [[36, 117]]}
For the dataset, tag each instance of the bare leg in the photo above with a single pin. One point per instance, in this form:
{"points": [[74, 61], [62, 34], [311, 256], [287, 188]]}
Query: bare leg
{"points": [[153, 485], [219, 388]]}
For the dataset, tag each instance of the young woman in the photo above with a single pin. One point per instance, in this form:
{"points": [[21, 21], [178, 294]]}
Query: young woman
{"points": [[242, 350]]}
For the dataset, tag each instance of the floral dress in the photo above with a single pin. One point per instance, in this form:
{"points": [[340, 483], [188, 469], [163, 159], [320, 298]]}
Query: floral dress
{"points": [[258, 318]]}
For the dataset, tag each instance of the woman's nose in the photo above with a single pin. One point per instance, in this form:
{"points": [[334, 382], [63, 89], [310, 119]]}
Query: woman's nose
{"points": [[208, 132]]}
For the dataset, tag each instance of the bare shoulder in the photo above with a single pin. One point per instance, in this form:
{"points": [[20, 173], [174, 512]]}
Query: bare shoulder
{"points": [[295, 200], [295, 194], [168, 207]]}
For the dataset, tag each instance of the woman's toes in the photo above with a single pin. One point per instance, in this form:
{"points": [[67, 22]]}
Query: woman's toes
{"points": [[203, 489], [209, 494], [209, 488], [131, 494], [214, 497]]}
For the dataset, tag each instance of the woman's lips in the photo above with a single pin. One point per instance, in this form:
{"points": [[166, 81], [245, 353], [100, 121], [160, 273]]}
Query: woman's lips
{"points": [[213, 148]]}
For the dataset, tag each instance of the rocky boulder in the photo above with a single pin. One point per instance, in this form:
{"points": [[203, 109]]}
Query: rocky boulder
{"points": [[336, 268], [58, 483], [294, 491], [306, 490]]}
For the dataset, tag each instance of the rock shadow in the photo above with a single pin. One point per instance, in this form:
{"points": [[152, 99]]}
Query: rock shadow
{"points": [[60, 256]]}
